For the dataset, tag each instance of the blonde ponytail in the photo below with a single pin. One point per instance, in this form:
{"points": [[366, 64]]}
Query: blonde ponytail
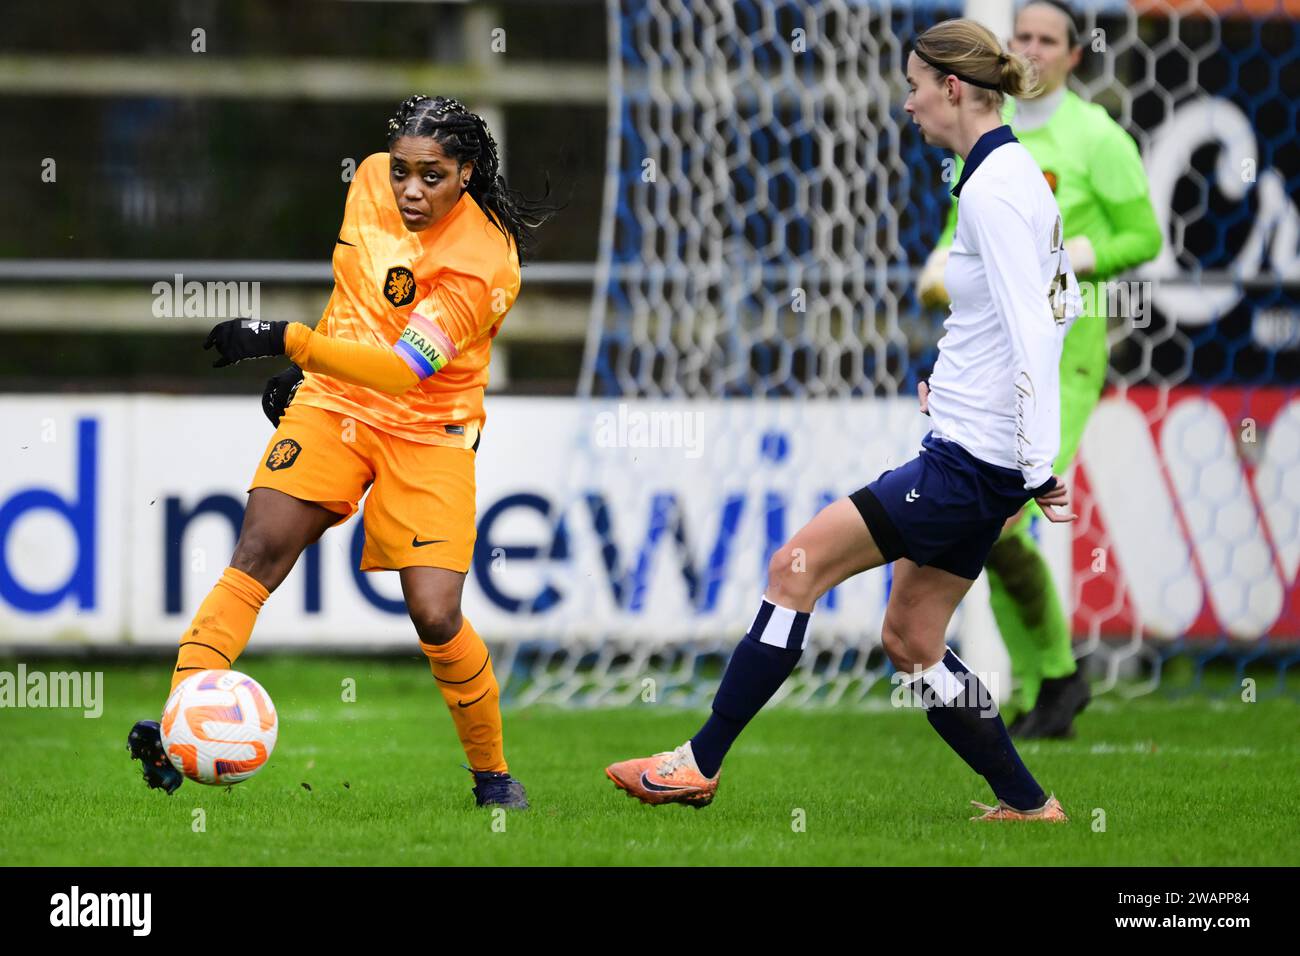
{"points": [[1018, 76], [969, 51]]}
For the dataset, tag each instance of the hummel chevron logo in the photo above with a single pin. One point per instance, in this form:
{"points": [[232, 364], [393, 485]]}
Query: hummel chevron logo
{"points": [[660, 788], [912, 495], [417, 543]]}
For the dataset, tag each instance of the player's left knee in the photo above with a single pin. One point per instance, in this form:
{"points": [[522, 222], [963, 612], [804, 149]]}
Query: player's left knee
{"points": [[436, 624]]}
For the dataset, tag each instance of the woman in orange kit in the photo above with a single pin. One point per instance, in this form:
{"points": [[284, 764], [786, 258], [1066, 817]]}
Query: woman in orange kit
{"points": [[425, 269]]}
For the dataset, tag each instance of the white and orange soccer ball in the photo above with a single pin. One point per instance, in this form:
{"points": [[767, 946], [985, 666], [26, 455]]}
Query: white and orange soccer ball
{"points": [[219, 727]]}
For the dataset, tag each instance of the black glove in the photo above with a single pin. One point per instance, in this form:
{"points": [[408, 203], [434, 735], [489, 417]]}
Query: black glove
{"points": [[239, 339], [279, 392]]}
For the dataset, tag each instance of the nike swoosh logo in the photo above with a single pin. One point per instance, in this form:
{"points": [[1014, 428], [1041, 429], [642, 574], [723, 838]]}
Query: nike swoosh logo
{"points": [[461, 703], [343, 242], [417, 543], [660, 788]]}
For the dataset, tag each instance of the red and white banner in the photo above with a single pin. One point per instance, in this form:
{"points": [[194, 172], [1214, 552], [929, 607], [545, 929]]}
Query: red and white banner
{"points": [[1189, 505]]}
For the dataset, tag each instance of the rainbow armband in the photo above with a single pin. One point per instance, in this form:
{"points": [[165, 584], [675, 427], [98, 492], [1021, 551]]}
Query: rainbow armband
{"points": [[424, 347]]}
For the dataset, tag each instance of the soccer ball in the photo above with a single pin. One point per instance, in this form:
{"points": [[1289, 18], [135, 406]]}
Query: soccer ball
{"points": [[219, 727]]}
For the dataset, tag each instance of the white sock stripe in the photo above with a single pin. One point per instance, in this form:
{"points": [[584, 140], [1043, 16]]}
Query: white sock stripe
{"points": [[777, 632], [779, 624], [943, 683]]}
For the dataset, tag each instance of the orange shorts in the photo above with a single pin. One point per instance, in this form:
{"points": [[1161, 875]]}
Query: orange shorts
{"points": [[420, 512]]}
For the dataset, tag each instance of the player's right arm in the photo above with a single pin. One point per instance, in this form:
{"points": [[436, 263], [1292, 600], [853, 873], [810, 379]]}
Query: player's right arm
{"points": [[456, 312], [423, 348], [372, 366]]}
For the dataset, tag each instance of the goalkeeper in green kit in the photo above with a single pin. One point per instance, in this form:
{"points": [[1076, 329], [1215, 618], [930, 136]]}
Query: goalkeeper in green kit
{"points": [[1094, 169]]}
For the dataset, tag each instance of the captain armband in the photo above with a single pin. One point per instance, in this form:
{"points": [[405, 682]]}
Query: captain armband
{"points": [[424, 347]]}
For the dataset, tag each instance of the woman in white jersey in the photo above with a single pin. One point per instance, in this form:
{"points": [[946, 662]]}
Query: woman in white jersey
{"points": [[994, 405]]}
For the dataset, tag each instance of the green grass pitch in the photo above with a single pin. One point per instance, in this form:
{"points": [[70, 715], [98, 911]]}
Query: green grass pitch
{"points": [[1186, 781]]}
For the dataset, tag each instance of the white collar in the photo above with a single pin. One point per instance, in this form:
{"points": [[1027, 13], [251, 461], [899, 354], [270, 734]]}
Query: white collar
{"points": [[1031, 114]]}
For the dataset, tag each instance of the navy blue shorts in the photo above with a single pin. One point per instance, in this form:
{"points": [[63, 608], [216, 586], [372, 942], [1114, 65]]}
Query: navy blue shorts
{"points": [[944, 508]]}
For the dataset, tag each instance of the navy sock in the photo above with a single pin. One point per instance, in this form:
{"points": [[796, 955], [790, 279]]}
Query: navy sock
{"points": [[758, 667], [963, 712]]}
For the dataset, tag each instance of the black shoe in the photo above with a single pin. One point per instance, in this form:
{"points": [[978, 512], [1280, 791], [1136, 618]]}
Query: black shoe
{"points": [[494, 789], [1033, 729], [145, 745], [1060, 700]]}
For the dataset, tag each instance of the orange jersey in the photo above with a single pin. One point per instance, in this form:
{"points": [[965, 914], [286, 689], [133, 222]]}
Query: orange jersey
{"points": [[453, 281]]}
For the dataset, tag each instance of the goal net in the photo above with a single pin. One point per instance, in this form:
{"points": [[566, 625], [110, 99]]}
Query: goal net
{"points": [[756, 341]]}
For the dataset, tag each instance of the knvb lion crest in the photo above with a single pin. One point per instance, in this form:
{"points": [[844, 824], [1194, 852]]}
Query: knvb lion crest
{"points": [[399, 286], [284, 454]]}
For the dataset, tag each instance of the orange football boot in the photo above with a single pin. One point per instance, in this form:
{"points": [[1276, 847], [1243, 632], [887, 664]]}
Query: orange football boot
{"points": [[1049, 812], [670, 777]]}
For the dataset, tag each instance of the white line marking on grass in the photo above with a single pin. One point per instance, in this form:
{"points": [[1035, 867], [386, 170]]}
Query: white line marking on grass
{"points": [[1150, 748]]}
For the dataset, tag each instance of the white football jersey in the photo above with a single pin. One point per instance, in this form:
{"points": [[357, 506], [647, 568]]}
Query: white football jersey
{"points": [[995, 389]]}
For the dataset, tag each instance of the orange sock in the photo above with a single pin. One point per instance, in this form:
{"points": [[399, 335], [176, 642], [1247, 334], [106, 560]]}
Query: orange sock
{"points": [[221, 626], [463, 670]]}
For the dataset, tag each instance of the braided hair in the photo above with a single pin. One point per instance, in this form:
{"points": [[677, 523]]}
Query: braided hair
{"points": [[464, 137]]}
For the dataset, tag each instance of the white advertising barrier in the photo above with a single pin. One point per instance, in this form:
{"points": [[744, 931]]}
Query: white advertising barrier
{"points": [[65, 535], [117, 514]]}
